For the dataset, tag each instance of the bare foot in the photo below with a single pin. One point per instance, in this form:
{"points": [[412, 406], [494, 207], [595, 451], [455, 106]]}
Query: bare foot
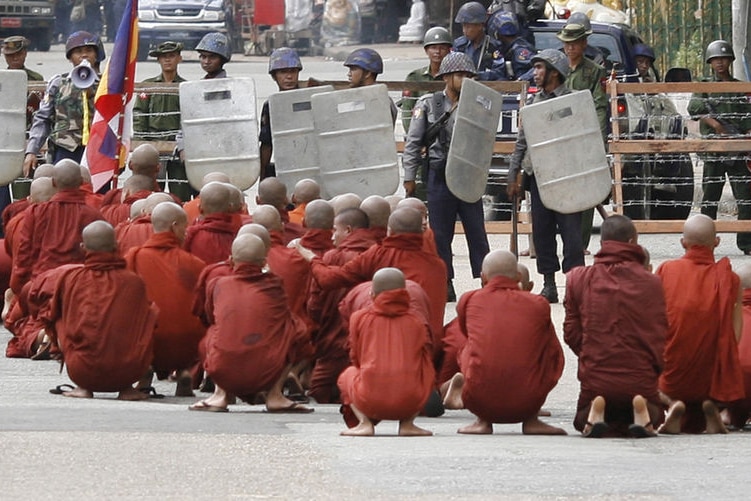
{"points": [[78, 392], [6, 306], [672, 424], [453, 399], [361, 430], [184, 385], [132, 395], [533, 426], [712, 415], [596, 425], [407, 428], [479, 427], [641, 414]]}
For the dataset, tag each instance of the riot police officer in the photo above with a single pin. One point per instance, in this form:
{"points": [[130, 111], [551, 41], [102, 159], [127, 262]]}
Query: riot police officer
{"points": [[485, 52], [431, 128], [517, 51], [364, 65], [214, 52], [526, 11], [644, 58]]}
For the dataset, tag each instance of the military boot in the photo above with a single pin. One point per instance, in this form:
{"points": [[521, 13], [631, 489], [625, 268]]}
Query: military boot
{"points": [[549, 289]]}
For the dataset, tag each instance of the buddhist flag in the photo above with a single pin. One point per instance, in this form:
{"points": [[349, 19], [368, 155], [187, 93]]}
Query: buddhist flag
{"points": [[112, 127]]}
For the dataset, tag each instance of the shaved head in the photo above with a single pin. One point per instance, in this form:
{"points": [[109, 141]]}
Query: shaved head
{"points": [[136, 183], [525, 283], [165, 215], [393, 201], [413, 203], [215, 177], [268, 217], [319, 214], [387, 279], [248, 249], [155, 199], [272, 191], [699, 230], [500, 262], [405, 221], [356, 218], [378, 211], [41, 190], [215, 199], [145, 160], [136, 208], [618, 228], [744, 272], [99, 236], [306, 190], [258, 230], [67, 175], [85, 174], [236, 197], [43, 170], [345, 201]]}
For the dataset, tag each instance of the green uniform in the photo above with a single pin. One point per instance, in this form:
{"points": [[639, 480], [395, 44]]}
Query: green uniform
{"points": [[156, 117], [408, 102], [33, 76]]}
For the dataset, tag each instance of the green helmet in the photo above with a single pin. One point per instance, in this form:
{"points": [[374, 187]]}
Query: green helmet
{"points": [[554, 59], [719, 48], [437, 35]]}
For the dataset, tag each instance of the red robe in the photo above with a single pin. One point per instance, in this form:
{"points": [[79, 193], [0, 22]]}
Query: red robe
{"points": [[116, 214], [13, 210], [378, 234], [512, 357], [193, 209], [319, 241], [294, 271], [92, 199], [12, 232], [252, 334], [103, 323], [616, 323], [170, 274], [429, 241], [741, 411], [392, 371], [133, 233], [210, 238], [51, 235], [291, 230], [701, 354]]}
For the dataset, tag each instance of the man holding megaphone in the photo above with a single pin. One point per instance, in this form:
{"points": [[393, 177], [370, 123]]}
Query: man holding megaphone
{"points": [[64, 116]]}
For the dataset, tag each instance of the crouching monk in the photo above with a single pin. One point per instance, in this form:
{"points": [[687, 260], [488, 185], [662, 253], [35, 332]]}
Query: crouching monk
{"points": [[102, 320], [392, 373]]}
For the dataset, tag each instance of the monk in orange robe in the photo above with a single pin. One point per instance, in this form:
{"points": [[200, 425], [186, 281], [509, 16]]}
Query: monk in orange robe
{"points": [[616, 323], [171, 274], [271, 191], [136, 231], [136, 187], [427, 231], [740, 411], [704, 303], [392, 373], [378, 211], [251, 338], [210, 237], [306, 190], [51, 234], [102, 320]]}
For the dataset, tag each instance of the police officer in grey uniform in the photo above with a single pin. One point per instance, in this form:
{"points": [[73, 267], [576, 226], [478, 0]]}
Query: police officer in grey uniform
{"points": [[431, 127]]}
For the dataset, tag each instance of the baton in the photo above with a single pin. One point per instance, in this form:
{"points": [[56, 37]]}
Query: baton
{"points": [[514, 245]]}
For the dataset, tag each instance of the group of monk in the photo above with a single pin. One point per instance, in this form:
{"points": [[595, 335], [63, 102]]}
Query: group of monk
{"points": [[342, 301]]}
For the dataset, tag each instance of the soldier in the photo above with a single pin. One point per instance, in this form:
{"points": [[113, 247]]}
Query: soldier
{"points": [[485, 52], [551, 70], [364, 67], [66, 112], [214, 52], [444, 206], [517, 51], [644, 57], [723, 115], [156, 116], [14, 50]]}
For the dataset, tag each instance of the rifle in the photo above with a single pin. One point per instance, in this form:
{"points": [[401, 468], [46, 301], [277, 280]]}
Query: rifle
{"points": [[432, 132], [730, 128]]}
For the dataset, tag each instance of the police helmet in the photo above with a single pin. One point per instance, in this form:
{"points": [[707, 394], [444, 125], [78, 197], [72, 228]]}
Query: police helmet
{"points": [[437, 35], [284, 58], [85, 39], [471, 12], [367, 59], [216, 43], [503, 23], [554, 59], [644, 50], [719, 48], [456, 62]]}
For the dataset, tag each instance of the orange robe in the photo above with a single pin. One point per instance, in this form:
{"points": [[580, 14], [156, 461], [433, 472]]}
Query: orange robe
{"points": [[392, 373], [92, 199], [210, 238], [297, 214], [252, 334], [133, 233], [701, 353], [116, 214], [103, 323], [741, 411], [512, 357], [170, 274], [193, 209]]}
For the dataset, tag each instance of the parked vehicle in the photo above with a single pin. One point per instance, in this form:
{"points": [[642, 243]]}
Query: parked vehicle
{"points": [[33, 19]]}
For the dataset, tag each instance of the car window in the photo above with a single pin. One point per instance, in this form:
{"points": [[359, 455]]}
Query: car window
{"points": [[606, 43]]}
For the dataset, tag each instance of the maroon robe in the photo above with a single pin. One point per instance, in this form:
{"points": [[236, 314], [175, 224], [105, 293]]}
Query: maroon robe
{"points": [[210, 238], [116, 214], [133, 233]]}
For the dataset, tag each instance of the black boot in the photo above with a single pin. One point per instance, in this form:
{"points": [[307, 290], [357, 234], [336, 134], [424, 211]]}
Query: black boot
{"points": [[451, 296], [549, 289]]}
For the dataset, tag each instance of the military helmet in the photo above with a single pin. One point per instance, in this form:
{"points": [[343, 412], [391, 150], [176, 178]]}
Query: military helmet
{"points": [[580, 18], [367, 59], [15, 44], [85, 39], [471, 12], [216, 43], [284, 58], [503, 23], [554, 59], [719, 48], [644, 50], [437, 35], [456, 62]]}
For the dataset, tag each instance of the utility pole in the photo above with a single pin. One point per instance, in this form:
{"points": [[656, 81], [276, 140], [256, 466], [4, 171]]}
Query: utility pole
{"points": [[741, 39]]}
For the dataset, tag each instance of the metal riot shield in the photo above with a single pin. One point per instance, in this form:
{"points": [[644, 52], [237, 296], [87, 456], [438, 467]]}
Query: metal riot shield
{"points": [[295, 140], [356, 141], [471, 150], [567, 153], [220, 129], [13, 86]]}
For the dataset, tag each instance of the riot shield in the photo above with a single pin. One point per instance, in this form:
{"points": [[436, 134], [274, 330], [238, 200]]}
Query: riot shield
{"points": [[13, 86], [295, 140], [567, 153], [356, 141], [471, 150], [220, 128]]}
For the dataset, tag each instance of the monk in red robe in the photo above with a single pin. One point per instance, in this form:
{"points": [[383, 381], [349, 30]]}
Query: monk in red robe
{"points": [[345, 201], [378, 211], [171, 274], [616, 323], [306, 190], [136, 187], [238, 206], [740, 411], [705, 308], [143, 160], [193, 207], [210, 237], [92, 199], [102, 320], [271, 191], [251, 339], [51, 234], [136, 231], [43, 170], [392, 373], [319, 227], [427, 231]]}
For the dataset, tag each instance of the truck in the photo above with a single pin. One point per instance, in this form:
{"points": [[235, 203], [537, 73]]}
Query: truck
{"points": [[34, 19]]}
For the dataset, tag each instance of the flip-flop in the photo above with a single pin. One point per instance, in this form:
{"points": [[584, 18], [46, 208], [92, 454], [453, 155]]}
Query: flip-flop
{"points": [[62, 388], [151, 392], [596, 430], [295, 408], [639, 431], [204, 407], [43, 352], [299, 398]]}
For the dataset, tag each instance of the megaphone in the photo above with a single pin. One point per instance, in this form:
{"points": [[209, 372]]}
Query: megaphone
{"points": [[83, 75]]}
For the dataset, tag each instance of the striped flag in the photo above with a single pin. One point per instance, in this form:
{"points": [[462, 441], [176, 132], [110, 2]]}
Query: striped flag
{"points": [[112, 126]]}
